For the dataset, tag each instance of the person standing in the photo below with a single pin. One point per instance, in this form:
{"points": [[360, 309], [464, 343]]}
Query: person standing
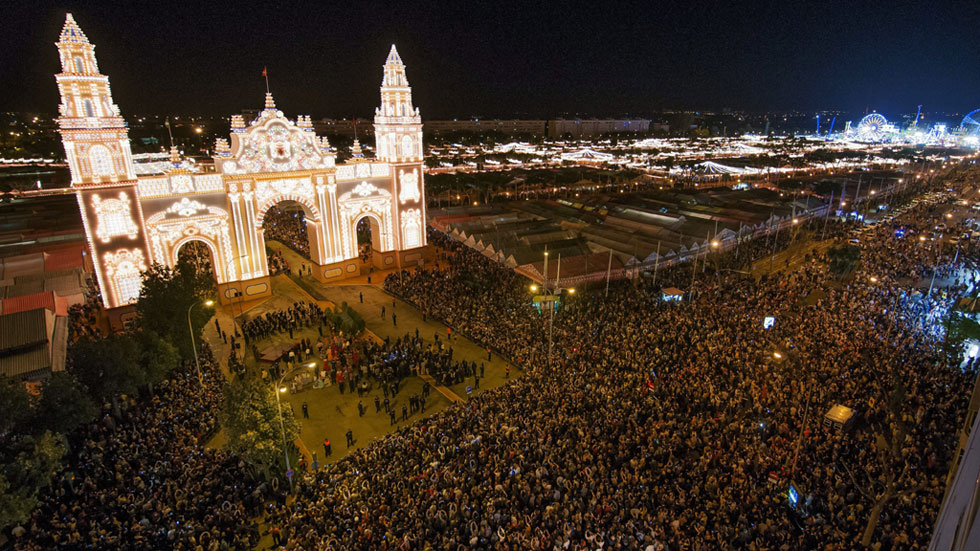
{"points": [[382, 312], [360, 409], [306, 411], [362, 297], [377, 404], [507, 371], [350, 438], [326, 448], [394, 319]]}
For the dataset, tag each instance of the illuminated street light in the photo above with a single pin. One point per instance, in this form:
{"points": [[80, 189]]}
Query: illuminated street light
{"points": [[549, 296], [282, 425], [190, 328]]}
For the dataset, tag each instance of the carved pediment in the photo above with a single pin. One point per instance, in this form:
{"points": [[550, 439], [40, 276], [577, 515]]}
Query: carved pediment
{"points": [[274, 144]]}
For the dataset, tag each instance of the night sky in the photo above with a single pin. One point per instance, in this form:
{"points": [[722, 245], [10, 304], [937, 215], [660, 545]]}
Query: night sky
{"points": [[496, 59]]}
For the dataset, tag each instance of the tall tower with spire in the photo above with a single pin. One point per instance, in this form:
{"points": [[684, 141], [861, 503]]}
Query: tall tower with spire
{"points": [[97, 148], [398, 138]]}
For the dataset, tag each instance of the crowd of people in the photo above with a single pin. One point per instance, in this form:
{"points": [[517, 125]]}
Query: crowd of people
{"points": [[289, 228], [277, 263], [197, 255], [660, 425], [300, 314], [142, 478]]}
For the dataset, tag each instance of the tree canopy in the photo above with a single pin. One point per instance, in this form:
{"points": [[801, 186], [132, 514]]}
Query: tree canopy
{"points": [[165, 298], [252, 422]]}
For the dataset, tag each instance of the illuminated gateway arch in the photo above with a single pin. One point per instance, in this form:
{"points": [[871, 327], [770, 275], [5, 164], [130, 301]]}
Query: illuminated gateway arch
{"points": [[133, 221]]}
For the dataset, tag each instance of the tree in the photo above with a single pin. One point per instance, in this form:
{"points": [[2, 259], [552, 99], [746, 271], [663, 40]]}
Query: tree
{"points": [[251, 419], [64, 404], [108, 367], [843, 259], [165, 298], [959, 329], [896, 476], [158, 358], [28, 465], [16, 404]]}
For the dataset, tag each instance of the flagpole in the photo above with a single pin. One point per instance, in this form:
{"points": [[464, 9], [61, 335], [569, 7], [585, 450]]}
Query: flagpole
{"points": [[265, 73]]}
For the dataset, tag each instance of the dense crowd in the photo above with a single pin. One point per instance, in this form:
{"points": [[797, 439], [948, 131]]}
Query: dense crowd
{"points": [[197, 255], [277, 263], [300, 314], [288, 228], [661, 425], [142, 479]]}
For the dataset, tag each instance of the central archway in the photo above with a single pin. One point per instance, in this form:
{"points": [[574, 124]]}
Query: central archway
{"points": [[295, 226]]}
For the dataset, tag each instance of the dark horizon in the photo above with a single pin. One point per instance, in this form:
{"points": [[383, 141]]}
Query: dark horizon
{"points": [[507, 62]]}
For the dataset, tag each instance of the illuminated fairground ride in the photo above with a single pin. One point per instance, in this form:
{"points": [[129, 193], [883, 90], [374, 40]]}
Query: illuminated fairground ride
{"points": [[970, 125], [875, 128]]}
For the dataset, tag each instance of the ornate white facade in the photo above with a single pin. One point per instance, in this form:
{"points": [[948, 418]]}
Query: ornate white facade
{"points": [[132, 222]]}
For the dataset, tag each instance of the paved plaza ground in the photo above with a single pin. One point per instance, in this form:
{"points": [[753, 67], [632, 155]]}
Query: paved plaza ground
{"points": [[332, 414]]}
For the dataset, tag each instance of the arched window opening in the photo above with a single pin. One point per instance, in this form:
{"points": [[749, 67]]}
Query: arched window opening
{"points": [[408, 147], [101, 160]]}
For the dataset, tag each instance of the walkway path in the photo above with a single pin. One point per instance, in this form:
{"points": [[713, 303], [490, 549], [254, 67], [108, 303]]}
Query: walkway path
{"points": [[332, 414]]}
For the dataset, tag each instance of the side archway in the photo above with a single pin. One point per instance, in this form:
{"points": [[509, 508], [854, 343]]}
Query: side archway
{"points": [[374, 225], [202, 243]]}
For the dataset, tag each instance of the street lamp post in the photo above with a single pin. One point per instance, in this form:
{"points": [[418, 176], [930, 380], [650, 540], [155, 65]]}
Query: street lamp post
{"points": [[548, 296], [190, 327], [715, 244], [282, 425]]}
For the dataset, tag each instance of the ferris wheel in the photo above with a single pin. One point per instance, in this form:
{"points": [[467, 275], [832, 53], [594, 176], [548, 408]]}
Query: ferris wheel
{"points": [[971, 123], [872, 127]]}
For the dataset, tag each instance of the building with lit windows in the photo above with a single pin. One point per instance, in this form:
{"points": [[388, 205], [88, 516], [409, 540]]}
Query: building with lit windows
{"points": [[132, 221]]}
